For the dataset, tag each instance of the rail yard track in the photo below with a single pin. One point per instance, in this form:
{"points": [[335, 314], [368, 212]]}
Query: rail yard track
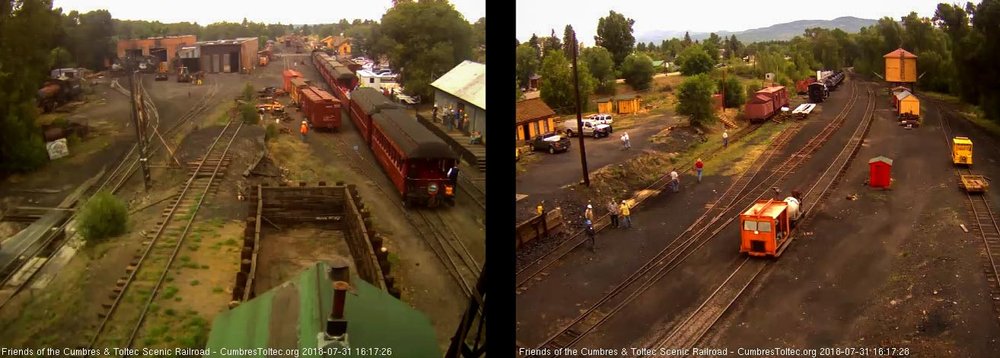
{"points": [[689, 241], [980, 210], [476, 193], [112, 182], [135, 292], [691, 330], [431, 226], [536, 267]]}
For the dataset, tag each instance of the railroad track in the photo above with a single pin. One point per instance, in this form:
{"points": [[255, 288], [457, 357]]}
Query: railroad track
{"points": [[112, 182], [987, 226], [536, 267], [447, 246], [690, 331], [475, 192], [687, 243], [135, 292]]}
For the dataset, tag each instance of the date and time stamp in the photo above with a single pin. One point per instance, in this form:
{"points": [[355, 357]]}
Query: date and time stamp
{"points": [[722, 352], [224, 352]]}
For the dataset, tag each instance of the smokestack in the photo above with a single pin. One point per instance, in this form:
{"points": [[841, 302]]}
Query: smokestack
{"points": [[336, 326], [340, 269]]}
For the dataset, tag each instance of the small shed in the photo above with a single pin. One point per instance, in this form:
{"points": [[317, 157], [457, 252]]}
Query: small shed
{"points": [[896, 90], [900, 66], [534, 81], [907, 103], [533, 118], [627, 104], [605, 105], [879, 172]]}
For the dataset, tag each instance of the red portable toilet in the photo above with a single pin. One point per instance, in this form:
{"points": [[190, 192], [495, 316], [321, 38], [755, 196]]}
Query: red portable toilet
{"points": [[879, 169]]}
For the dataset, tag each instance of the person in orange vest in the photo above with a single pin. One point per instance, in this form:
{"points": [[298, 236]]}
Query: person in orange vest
{"points": [[303, 130]]}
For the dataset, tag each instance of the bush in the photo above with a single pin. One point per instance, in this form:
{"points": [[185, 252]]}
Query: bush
{"points": [[694, 99], [103, 216], [249, 113], [248, 92], [271, 133], [735, 95], [638, 71]]}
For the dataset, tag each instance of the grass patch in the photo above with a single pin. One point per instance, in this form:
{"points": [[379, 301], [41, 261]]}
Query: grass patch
{"points": [[216, 289], [195, 283], [170, 291], [170, 312], [230, 242], [298, 158], [969, 112]]}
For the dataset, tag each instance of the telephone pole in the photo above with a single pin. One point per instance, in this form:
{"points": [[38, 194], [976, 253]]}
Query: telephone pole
{"points": [[579, 114], [138, 119]]}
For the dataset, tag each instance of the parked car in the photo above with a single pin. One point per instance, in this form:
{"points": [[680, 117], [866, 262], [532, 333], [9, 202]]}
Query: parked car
{"points": [[551, 142], [590, 128], [601, 118]]}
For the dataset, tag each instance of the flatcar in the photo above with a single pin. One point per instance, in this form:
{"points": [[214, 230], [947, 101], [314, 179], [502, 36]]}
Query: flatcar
{"points": [[818, 92], [364, 103], [415, 159], [766, 227]]}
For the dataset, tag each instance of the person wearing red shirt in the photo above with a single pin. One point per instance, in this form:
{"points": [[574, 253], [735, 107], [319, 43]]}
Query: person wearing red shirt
{"points": [[698, 166]]}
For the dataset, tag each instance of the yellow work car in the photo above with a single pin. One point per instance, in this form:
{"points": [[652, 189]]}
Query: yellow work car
{"points": [[961, 150], [271, 107]]}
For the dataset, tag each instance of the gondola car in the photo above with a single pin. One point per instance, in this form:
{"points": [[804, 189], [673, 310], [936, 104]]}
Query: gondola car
{"points": [[365, 102], [415, 159]]}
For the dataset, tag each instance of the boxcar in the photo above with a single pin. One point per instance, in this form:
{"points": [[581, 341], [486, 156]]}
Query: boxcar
{"points": [[760, 107], [287, 76], [297, 85], [415, 159], [321, 109], [778, 95], [364, 103]]}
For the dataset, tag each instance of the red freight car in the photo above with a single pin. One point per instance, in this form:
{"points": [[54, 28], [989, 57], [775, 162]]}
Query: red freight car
{"points": [[365, 102], [320, 108], [759, 107], [287, 76], [802, 86], [778, 95], [295, 89], [415, 159]]}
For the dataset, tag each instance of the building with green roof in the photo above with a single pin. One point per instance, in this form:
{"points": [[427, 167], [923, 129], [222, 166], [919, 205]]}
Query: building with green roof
{"points": [[294, 316]]}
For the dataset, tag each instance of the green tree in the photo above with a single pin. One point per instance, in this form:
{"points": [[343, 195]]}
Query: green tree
{"points": [[557, 87], [601, 66], [526, 63], [569, 38], [712, 45], [552, 43], [734, 92], [694, 99], [638, 71], [248, 92], [102, 217], [614, 33], [694, 60], [425, 40], [24, 62], [248, 113]]}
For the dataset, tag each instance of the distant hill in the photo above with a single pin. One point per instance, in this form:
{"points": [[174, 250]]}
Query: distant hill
{"points": [[785, 31]]}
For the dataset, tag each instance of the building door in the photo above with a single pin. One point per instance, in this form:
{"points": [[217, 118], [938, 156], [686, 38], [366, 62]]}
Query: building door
{"points": [[234, 62], [225, 63], [524, 132]]}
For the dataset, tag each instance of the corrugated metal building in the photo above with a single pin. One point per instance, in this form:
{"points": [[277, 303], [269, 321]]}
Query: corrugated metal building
{"points": [[165, 48], [464, 88], [293, 316], [224, 56]]}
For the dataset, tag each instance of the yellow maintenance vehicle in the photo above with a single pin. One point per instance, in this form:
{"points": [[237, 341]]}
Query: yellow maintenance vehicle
{"points": [[961, 151], [183, 75]]}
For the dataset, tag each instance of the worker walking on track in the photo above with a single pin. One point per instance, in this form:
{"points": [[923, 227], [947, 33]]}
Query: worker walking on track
{"points": [[592, 235], [589, 213], [698, 166], [725, 139], [303, 130], [626, 214], [613, 212], [675, 180]]}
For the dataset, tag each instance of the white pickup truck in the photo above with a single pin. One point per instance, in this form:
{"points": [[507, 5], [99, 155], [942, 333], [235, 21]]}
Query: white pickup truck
{"points": [[590, 128]]}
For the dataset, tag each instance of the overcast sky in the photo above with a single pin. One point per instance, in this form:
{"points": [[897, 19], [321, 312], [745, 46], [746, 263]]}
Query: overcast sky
{"points": [[268, 11], [540, 17]]}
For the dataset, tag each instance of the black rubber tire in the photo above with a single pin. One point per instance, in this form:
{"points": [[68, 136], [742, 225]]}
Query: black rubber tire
{"points": [[552, 150]]}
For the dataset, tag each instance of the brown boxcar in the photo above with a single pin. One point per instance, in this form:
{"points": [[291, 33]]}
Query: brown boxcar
{"points": [[415, 159], [365, 102], [778, 95], [287, 76], [321, 109], [295, 90], [760, 107]]}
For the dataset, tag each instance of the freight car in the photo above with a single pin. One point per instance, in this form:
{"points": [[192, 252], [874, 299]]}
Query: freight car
{"points": [[415, 159], [834, 80], [295, 87], [320, 108], [286, 77], [338, 77], [766, 103]]}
